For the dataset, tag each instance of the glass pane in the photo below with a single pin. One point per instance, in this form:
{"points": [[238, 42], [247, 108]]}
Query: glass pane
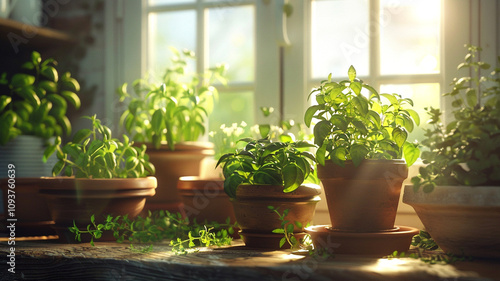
{"points": [[423, 95], [170, 29], [170, 2], [409, 41], [231, 40], [233, 107], [339, 37]]}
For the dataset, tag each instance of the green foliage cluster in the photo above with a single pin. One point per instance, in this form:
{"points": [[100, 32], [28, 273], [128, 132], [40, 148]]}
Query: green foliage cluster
{"points": [[36, 100], [158, 226], [354, 124], [467, 150], [175, 109], [265, 162], [287, 228], [93, 153]]}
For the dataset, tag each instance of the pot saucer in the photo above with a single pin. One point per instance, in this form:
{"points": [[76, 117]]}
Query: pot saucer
{"points": [[356, 243], [270, 241]]}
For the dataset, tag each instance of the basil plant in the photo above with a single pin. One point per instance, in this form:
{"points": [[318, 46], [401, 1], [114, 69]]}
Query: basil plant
{"points": [[355, 122], [175, 108], [94, 153], [265, 162]]}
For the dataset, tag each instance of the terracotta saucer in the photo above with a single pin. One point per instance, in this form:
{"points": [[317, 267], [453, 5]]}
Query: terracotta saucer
{"points": [[355, 243], [270, 241]]}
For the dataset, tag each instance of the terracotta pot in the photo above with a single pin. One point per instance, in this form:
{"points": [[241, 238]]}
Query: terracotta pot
{"points": [[71, 199], [364, 198], [170, 166], [31, 211], [463, 220], [254, 217], [205, 199]]}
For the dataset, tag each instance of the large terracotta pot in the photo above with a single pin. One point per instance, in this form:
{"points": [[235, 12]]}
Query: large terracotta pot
{"points": [[205, 199], [31, 211], [257, 221], [170, 166], [71, 199], [463, 220], [363, 198]]}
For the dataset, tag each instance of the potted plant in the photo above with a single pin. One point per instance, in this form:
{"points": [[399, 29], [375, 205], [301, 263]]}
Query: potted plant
{"points": [[362, 148], [266, 173], [103, 176], [169, 117], [33, 106], [457, 194]]}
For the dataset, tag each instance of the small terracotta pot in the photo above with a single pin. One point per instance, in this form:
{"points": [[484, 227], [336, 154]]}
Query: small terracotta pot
{"points": [[463, 220], [254, 216], [170, 166], [31, 211], [363, 198], [71, 199], [205, 199]]}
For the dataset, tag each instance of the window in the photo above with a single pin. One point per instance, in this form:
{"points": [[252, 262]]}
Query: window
{"points": [[218, 32], [408, 47]]}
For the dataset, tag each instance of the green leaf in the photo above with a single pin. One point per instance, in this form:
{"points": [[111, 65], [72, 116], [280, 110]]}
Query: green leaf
{"points": [[356, 87], [414, 115], [351, 73], [264, 130], [392, 98], [4, 101], [310, 114], [231, 184], [399, 135], [471, 97], [410, 153], [358, 153], [293, 177], [289, 228], [20, 80], [361, 104], [29, 95], [339, 155], [321, 132], [157, 121], [81, 135], [282, 241], [72, 98], [279, 231], [50, 73]]}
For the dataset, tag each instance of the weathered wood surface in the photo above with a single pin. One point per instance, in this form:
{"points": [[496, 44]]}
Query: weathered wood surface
{"points": [[112, 261]]}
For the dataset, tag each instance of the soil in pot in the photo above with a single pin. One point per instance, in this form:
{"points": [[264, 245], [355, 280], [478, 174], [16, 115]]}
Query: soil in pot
{"points": [[364, 198]]}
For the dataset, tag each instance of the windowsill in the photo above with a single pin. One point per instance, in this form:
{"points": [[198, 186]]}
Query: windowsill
{"points": [[50, 260]]}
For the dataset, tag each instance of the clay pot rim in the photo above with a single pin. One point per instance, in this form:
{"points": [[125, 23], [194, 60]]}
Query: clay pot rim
{"points": [[453, 195], [306, 190], [190, 184], [195, 147], [367, 162], [323, 230], [99, 185]]}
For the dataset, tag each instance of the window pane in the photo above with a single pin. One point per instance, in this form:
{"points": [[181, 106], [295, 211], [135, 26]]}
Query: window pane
{"points": [[409, 41], [423, 95], [231, 40], [233, 107], [176, 29], [339, 31], [169, 2]]}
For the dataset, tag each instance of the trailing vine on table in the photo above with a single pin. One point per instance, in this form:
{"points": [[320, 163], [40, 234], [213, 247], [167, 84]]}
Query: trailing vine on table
{"points": [[157, 226]]}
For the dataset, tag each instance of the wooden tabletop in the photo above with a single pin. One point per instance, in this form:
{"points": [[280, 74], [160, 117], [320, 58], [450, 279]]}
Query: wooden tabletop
{"points": [[50, 260]]}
